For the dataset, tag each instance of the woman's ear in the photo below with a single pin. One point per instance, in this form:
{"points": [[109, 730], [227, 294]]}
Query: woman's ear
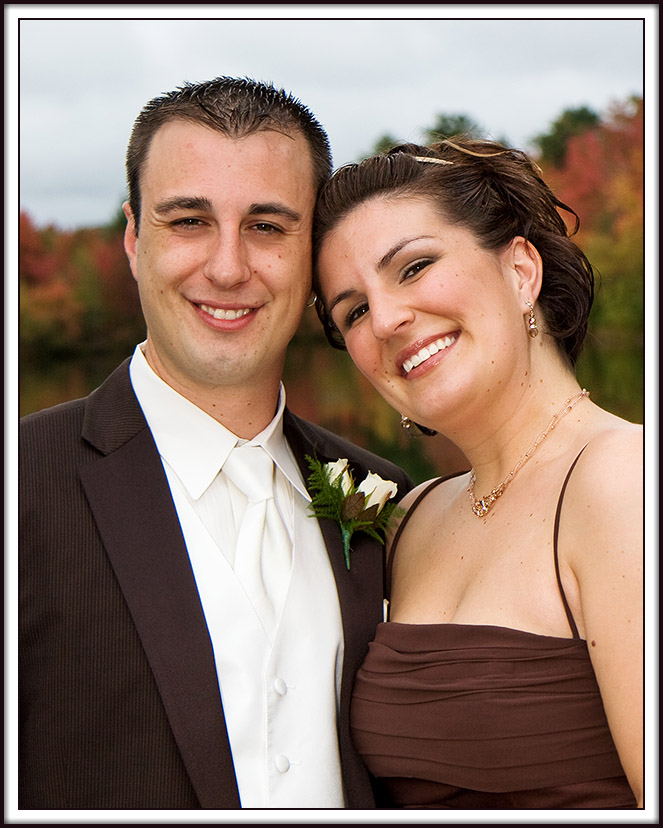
{"points": [[527, 266]]}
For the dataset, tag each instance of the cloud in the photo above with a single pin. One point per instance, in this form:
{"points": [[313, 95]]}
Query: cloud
{"points": [[82, 83]]}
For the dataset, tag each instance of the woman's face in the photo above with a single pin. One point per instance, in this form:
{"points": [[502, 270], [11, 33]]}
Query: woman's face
{"points": [[433, 320]]}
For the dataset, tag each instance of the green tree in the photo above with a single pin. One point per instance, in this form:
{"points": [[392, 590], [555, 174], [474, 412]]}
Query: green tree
{"points": [[553, 144], [384, 144], [448, 125], [445, 126]]}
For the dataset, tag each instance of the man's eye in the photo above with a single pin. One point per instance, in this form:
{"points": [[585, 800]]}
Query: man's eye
{"points": [[266, 227], [188, 221]]}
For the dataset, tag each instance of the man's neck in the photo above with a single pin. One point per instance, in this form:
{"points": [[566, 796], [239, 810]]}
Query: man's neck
{"points": [[245, 410]]}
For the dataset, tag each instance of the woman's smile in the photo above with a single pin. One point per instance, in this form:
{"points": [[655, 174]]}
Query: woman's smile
{"points": [[416, 297], [419, 356]]}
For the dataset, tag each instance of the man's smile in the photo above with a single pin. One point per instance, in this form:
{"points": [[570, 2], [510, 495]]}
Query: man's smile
{"points": [[226, 313]]}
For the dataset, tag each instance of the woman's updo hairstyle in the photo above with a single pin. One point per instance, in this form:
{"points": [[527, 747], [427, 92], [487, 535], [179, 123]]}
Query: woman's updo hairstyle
{"points": [[495, 192]]}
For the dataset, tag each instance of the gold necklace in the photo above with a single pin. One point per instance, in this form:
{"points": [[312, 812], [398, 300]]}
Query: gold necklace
{"points": [[483, 506]]}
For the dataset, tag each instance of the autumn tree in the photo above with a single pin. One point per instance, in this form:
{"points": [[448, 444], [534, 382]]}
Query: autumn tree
{"points": [[49, 313], [553, 144], [602, 178], [76, 291]]}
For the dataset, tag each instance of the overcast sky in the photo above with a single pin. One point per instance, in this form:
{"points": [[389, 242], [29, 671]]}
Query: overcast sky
{"points": [[512, 69], [76, 76]]}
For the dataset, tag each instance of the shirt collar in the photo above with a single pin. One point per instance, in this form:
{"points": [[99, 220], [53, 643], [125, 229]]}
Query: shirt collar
{"points": [[194, 444]]}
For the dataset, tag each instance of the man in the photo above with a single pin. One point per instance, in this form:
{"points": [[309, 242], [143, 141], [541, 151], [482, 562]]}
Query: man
{"points": [[155, 670]]}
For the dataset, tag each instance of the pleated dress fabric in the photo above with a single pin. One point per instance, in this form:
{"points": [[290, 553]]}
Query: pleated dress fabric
{"points": [[479, 717]]}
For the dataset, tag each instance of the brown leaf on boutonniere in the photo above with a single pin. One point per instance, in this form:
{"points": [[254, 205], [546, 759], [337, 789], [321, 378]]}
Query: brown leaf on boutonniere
{"points": [[364, 508]]}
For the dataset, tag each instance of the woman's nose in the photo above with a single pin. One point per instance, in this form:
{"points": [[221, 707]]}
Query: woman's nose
{"points": [[388, 315]]}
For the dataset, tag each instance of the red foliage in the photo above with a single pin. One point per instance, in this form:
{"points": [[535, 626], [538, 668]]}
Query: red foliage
{"points": [[76, 288], [602, 176], [37, 264], [110, 262]]}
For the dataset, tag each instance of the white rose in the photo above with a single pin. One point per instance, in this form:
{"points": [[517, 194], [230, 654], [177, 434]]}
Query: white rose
{"points": [[376, 490], [340, 469]]}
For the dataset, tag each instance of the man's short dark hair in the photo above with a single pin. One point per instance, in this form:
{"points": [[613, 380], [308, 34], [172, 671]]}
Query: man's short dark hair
{"points": [[236, 107]]}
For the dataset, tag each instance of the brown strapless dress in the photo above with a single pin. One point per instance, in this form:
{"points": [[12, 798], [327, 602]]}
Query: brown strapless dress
{"points": [[478, 717]]}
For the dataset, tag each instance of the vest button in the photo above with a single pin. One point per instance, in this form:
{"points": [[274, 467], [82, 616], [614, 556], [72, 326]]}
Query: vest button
{"points": [[282, 763], [280, 686]]}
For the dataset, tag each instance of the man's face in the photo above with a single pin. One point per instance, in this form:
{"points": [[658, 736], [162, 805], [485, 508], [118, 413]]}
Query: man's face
{"points": [[222, 256]]}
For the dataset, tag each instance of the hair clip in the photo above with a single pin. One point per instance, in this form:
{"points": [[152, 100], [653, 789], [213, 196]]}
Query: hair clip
{"points": [[428, 160]]}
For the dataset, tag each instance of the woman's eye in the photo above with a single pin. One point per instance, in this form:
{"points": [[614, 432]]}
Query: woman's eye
{"points": [[355, 314], [415, 269]]}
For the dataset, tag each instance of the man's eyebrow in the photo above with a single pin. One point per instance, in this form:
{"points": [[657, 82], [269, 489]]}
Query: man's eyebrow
{"points": [[170, 205], [274, 209], [204, 204]]}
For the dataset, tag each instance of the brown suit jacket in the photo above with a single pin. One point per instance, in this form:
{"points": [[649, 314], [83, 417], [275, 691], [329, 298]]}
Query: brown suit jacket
{"points": [[119, 699]]}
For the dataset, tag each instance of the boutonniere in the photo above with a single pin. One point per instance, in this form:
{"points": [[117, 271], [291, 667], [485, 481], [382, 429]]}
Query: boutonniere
{"points": [[363, 508]]}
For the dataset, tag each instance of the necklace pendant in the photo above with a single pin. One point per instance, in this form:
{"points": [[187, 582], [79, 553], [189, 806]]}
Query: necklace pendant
{"points": [[480, 508]]}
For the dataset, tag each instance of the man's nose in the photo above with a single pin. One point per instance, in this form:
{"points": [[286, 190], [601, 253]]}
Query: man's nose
{"points": [[227, 262]]}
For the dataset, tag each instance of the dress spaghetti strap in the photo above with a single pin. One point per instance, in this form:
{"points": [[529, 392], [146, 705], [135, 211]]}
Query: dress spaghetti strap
{"points": [[392, 552], [558, 514]]}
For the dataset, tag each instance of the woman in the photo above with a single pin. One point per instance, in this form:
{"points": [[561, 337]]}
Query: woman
{"points": [[509, 673]]}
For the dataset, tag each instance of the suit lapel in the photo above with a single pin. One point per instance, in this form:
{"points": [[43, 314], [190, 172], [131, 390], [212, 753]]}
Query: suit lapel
{"points": [[312, 442], [302, 445], [129, 495], [360, 592]]}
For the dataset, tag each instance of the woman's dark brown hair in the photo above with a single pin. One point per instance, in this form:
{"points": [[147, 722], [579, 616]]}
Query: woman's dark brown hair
{"points": [[495, 192]]}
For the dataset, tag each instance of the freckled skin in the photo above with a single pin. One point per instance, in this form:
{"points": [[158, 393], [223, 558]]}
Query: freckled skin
{"points": [[491, 392], [458, 287], [223, 256]]}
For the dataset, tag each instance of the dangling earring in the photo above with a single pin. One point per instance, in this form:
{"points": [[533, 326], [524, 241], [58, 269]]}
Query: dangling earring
{"points": [[406, 424], [532, 327]]}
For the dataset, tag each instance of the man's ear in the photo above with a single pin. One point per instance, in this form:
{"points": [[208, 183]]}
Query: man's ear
{"points": [[525, 261], [130, 237]]}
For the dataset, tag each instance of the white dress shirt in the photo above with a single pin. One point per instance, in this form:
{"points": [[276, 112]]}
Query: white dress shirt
{"points": [[280, 697]]}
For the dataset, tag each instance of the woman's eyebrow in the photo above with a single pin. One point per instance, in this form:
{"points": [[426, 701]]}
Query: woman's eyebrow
{"points": [[389, 255], [346, 294], [381, 265]]}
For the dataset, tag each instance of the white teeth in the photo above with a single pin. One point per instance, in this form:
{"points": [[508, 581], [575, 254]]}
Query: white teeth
{"points": [[425, 353], [221, 313]]}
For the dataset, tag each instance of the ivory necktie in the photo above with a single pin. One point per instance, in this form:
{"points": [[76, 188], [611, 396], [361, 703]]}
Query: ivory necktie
{"points": [[264, 550]]}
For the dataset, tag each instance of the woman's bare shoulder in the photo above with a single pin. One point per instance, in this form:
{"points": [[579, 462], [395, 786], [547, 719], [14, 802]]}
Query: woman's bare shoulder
{"points": [[613, 457], [604, 500], [443, 486]]}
